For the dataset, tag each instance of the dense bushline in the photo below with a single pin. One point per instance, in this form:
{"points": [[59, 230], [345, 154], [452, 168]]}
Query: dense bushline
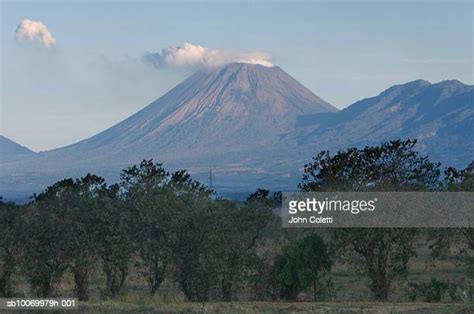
{"points": [[172, 227]]}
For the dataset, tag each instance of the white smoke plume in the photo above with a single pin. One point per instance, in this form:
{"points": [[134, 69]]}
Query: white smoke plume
{"points": [[29, 30], [191, 55]]}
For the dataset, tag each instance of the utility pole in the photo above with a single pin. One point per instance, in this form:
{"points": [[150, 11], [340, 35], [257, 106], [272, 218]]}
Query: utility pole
{"points": [[210, 178]]}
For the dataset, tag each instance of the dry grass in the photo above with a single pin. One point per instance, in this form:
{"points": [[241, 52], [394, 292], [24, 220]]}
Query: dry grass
{"points": [[150, 306]]}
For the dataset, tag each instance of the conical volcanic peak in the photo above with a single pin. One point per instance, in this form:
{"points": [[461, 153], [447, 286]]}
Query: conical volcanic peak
{"points": [[236, 106]]}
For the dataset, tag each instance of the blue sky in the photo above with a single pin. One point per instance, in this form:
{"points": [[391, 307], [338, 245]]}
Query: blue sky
{"points": [[95, 76]]}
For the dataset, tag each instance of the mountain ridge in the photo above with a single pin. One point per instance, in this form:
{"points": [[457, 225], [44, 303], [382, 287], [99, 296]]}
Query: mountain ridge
{"points": [[432, 113], [9, 149], [256, 127]]}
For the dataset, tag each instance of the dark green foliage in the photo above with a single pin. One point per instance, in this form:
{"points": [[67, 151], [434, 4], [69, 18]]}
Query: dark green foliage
{"points": [[174, 229], [392, 166], [434, 291], [461, 239], [46, 244], [216, 243], [315, 258], [154, 198], [239, 228], [167, 220], [61, 233], [113, 231], [460, 180], [10, 244], [286, 275], [82, 229], [194, 253], [383, 254], [302, 266], [170, 217]]}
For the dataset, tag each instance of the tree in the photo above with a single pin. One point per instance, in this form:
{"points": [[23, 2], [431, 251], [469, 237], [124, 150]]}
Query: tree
{"points": [[460, 180], [383, 254], [84, 204], [393, 166], [113, 234], [68, 209], [150, 203], [170, 215], [194, 247], [314, 259], [45, 242], [154, 197], [238, 229], [442, 240], [285, 272], [10, 244], [301, 266]]}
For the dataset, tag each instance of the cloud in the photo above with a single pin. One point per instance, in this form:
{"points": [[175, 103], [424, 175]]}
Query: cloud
{"points": [[29, 30], [440, 61], [191, 55]]}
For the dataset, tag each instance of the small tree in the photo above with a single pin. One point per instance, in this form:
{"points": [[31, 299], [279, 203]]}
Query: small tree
{"points": [[314, 259], [383, 254], [194, 248], [394, 166], [442, 240], [150, 203], [45, 242], [84, 201], [65, 213], [285, 272], [301, 266], [112, 231], [154, 197], [239, 228]]}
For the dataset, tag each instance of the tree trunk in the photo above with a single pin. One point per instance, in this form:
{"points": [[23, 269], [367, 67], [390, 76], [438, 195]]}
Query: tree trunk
{"points": [[115, 276], [315, 292], [123, 275], [382, 288], [81, 280], [227, 290], [46, 289], [157, 276], [5, 289]]}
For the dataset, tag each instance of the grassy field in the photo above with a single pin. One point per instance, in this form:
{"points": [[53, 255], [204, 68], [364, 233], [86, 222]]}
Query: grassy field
{"points": [[353, 295], [148, 306]]}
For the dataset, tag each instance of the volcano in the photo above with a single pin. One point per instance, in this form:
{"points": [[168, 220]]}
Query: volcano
{"points": [[230, 118], [238, 107]]}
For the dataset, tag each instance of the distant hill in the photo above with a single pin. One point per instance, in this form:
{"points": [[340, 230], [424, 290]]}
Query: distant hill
{"points": [[9, 150], [440, 116], [256, 126]]}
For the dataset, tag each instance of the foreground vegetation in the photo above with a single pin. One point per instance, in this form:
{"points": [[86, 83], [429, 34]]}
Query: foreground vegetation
{"points": [[160, 239], [274, 307]]}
